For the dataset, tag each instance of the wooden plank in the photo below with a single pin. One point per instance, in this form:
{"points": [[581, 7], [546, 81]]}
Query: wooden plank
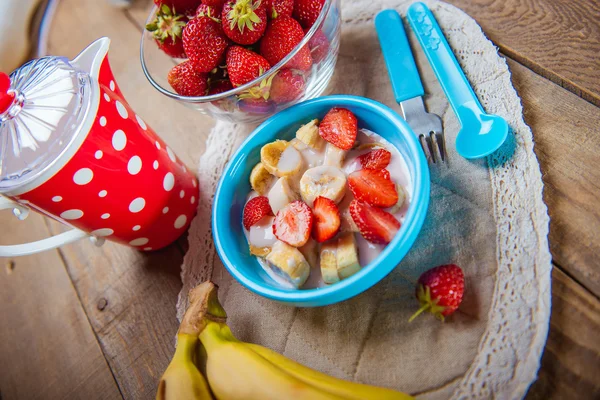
{"points": [[129, 297], [47, 346], [565, 129], [558, 39], [570, 367]]}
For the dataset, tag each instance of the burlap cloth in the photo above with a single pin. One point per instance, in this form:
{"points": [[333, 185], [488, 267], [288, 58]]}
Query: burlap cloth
{"points": [[487, 216]]}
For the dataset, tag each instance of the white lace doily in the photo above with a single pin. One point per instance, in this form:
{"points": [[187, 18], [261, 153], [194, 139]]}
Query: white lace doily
{"points": [[514, 293]]}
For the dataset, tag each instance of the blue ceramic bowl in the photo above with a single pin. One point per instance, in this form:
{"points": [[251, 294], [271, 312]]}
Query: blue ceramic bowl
{"points": [[234, 187]]}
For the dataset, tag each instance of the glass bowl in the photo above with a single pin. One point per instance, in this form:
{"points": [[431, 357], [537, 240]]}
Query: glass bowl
{"points": [[247, 103]]}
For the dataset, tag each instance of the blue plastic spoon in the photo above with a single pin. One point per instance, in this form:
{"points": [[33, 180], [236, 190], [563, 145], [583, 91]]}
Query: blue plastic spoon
{"points": [[481, 133]]}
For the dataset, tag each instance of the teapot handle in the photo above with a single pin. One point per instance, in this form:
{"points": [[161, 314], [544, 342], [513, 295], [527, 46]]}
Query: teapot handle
{"points": [[21, 212]]}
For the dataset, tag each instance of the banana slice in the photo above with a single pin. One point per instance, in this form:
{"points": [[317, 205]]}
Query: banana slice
{"points": [[309, 135], [261, 179], [281, 159], [347, 256], [329, 263], [401, 199], [281, 194], [334, 156], [260, 251], [310, 252], [323, 181], [288, 263], [339, 259]]}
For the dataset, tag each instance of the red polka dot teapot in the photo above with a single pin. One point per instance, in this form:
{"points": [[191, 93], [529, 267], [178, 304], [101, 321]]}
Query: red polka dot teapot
{"points": [[72, 149]]}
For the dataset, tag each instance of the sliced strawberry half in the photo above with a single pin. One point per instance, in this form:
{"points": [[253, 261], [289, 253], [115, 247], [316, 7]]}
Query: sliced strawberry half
{"points": [[327, 219], [256, 209], [373, 186], [339, 127], [376, 159], [293, 223], [375, 225]]}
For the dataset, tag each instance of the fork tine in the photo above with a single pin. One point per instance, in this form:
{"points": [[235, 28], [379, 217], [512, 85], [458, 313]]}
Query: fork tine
{"points": [[441, 141], [430, 140], [423, 141]]}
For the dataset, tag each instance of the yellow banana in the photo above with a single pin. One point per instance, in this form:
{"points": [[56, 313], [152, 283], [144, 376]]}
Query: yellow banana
{"points": [[182, 379], [345, 389], [235, 372], [244, 371]]}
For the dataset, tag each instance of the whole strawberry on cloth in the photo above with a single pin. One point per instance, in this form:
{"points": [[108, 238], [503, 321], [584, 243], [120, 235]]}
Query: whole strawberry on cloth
{"points": [[204, 43], [307, 11], [244, 65], [186, 81], [167, 29], [181, 6], [440, 291], [244, 21], [282, 36]]}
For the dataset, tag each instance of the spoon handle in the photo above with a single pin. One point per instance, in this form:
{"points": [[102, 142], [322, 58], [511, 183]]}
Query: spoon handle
{"points": [[442, 60]]}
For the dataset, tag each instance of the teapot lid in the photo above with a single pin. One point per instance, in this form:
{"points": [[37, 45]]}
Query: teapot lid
{"points": [[42, 109]]}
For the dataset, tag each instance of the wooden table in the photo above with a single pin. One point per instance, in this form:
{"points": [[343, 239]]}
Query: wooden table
{"points": [[91, 323]]}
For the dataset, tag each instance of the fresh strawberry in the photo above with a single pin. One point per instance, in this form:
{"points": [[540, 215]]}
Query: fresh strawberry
{"points": [[373, 186], [376, 159], [327, 219], [293, 223], [220, 86], [204, 43], [217, 4], [279, 8], [6, 98], [256, 209], [204, 10], [286, 86], [307, 11], [167, 29], [440, 290], [339, 127], [282, 36], [374, 224], [244, 65], [318, 45], [244, 21], [186, 81], [181, 6]]}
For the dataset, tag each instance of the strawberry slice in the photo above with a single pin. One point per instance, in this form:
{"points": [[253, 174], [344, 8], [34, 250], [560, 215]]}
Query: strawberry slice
{"points": [[376, 159], [339, 127], [255, 209], [293, 223], [373, 186], [327, 219], [375, 225]]}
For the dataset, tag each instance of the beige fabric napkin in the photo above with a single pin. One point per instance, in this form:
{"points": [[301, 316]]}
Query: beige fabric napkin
{"points": [[490, 220]]}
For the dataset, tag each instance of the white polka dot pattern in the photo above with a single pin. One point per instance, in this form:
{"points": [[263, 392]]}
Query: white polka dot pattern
{"points": [[102, 232], [98, 155], [169, 182], [137, 205], [139, 242], [112, 85], [134, 166], [119, 140], [102, 193], [57, 199], [171, 154], [72, 214], [105, 216], [83, 176], [121, 110], [102, 121], [180, 221], [141, 122]]}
